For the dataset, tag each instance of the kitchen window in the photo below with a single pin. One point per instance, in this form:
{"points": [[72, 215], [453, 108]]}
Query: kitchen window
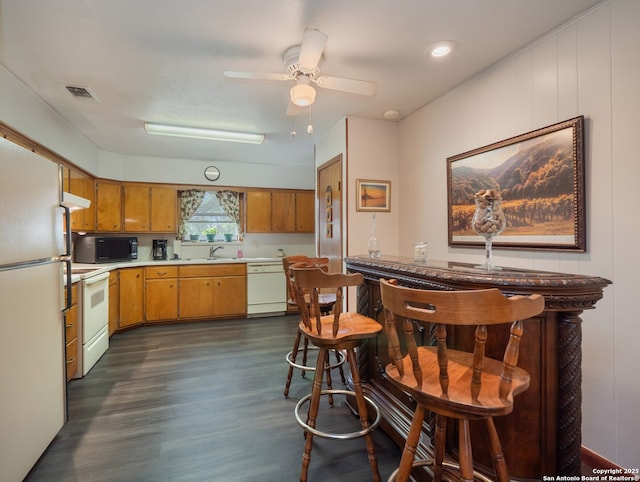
{"points": [[215, 211]]}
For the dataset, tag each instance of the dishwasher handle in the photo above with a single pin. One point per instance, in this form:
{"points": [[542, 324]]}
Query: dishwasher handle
{"points": [[264, 268]]}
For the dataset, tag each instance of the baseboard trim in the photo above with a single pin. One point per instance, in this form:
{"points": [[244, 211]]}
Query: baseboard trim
{"points": [[595, 460]]}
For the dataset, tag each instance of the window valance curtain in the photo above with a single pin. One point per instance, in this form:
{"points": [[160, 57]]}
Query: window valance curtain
{"points": [[230, 203], [189, 202]]}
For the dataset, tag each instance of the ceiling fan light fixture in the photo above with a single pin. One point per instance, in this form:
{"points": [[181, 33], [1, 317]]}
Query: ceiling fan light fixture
{"points": [[302, 94], [200, 133]]}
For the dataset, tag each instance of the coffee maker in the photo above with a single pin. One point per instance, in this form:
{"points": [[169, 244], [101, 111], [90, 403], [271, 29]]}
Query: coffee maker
{"points": [[159, 249]]}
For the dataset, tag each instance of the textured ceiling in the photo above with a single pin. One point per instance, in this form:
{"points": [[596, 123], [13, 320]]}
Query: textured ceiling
{"points": [[163, 61]]}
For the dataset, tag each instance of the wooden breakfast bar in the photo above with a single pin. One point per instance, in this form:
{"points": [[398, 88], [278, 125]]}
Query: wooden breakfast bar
{"points": [[542, 436]]}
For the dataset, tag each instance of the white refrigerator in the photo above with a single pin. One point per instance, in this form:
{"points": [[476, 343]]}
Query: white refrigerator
{"points": [[32, 359]]}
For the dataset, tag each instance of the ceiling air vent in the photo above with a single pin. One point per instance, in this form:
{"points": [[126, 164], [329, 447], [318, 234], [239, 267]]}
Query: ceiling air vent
{"points": [[80, 92]]}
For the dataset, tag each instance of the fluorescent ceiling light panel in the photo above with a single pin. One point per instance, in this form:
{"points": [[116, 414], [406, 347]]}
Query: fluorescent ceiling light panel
{"points": [[208, 134]]}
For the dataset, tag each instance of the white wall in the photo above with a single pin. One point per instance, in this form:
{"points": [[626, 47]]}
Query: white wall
{"points": [[369, 150], [589, 67], [28, 114], [191, 171], [372, 150]]}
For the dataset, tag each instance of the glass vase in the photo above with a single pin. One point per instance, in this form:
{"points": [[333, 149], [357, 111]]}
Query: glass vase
{"points": [[373, 245], [488, 221]]}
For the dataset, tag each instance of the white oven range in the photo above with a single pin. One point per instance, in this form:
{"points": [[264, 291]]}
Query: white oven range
{"points": [[94, 300]]}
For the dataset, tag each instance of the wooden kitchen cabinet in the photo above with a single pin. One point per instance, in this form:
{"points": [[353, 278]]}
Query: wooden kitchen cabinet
{"points": [[230, 295], [114, 301], [210, 291], [258, 211], [71, 333], [196, 297], [108, 206], [280, 211], [149, 208], [82, 185], [305, 211], [161, 293], [283, 212], [165, 293], [164, 205], [131, 297], [136, 208]]}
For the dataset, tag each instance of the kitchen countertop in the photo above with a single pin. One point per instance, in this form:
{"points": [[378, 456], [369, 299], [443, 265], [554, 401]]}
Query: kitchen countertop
{"points": [[99, 268]]}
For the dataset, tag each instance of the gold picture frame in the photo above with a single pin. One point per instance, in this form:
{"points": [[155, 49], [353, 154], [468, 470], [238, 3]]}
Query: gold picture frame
{"points": [[540, 176], [373, 195]]}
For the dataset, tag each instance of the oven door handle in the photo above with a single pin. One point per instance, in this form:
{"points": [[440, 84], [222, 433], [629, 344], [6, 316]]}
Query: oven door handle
{"points": [[96, 279]]}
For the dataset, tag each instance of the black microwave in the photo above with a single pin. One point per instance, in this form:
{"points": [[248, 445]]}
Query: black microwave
{"points": [[95, 249]]}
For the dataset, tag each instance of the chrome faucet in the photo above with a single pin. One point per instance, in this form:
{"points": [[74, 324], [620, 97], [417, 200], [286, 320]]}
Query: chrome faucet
{"points": [[213, 249]]}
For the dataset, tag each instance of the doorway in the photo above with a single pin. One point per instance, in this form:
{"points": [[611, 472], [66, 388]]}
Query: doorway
{"points": [[329, 192]]}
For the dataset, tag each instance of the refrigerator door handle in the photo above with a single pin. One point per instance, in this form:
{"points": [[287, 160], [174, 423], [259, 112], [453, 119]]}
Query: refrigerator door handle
{"points": [[68, 300], [67, 229], [66, 257]]}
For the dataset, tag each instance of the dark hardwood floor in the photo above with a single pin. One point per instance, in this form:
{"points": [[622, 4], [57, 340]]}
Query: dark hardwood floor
{"points": [[200, 402]]}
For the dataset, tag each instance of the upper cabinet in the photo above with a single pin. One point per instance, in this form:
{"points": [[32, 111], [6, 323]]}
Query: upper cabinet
{"points": [[305, 211], [108, 206], [164, 203], [136, 208], [280, 212], [83, 185], [149, 209]]}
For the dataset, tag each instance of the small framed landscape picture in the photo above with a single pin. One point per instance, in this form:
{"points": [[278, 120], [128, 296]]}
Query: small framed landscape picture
{"points": [[373, 196]]}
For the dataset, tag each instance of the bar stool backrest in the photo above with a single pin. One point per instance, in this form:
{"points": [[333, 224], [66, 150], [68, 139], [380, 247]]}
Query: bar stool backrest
{"points": [[479, 308], [313, 280]]}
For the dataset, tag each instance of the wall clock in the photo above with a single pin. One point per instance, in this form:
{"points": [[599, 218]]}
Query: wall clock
{"points": [[212, 173]]}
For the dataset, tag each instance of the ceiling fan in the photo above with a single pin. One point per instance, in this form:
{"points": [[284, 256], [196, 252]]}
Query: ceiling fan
{"points": [[303, 66]]}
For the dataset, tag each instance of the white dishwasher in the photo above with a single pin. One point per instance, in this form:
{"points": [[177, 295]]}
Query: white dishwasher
{"points": [[266, 288]]}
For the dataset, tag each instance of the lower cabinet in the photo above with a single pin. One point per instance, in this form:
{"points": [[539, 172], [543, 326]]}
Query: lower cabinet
{"points": [[161, 293], [230, 295], [114, 301], [131, 297], [210, 291], [196, 297], [169, 293], [71, 333]]}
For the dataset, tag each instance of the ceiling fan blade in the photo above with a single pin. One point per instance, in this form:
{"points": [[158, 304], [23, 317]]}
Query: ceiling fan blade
{"points": [[362, 87], [313, 43], [255, 75]]}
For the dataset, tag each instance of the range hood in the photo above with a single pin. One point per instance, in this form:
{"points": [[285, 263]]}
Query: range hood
{"points": [[74, 202]]}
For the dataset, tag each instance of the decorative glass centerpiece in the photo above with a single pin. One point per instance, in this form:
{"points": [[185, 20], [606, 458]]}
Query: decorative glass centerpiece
{"points": [[488, 221], [373, 246]]}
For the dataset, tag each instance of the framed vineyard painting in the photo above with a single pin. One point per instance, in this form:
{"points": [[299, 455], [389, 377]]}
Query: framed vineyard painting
{"points": [[540, 177]]}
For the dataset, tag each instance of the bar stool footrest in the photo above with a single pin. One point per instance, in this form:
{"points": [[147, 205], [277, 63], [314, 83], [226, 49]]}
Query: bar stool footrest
{"points": [[333, 435], [445, 465]]}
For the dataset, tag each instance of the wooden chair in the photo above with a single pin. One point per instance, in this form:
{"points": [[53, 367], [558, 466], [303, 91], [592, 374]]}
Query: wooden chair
{"points": [[455, 384], [337, 331], [326, 305]]}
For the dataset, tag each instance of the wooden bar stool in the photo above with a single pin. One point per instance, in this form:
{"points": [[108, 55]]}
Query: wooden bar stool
{"points": [[337, 331], [326, 302], [455, 384]]}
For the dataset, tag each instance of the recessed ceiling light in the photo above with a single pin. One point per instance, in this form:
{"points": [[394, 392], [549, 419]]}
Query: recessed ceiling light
{"points": [[441, 49]]}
